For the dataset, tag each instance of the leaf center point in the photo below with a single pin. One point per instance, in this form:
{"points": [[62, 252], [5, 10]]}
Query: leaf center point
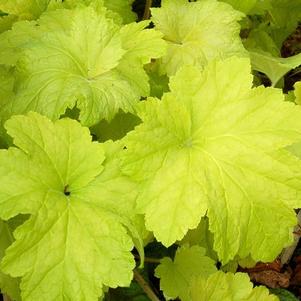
{"points": [[188, 143], [67, 192]]}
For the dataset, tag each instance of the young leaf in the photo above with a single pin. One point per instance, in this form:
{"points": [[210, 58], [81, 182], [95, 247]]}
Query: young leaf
{"points": [[259, 39], [228, 287], [197, 32], [274, 67], [284, 17], [93, 65], [176, 275], [213, 144], [24, 33], [75, 241]]}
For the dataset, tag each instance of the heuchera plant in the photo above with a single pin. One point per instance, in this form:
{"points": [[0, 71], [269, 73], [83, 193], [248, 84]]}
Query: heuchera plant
{"points": [[119, 136]]}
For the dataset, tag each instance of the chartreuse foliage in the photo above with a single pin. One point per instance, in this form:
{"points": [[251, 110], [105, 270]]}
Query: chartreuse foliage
{"points": [[88, 61], [192, 276], [201, 160], [243, 6], [197, 32], [279, 19], [75, 240], [228, 287], [32, 9], [284, 16], [24, 9], [176, 275], [205, 136]]}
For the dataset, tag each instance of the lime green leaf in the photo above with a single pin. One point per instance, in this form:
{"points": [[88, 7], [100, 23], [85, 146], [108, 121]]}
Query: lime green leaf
{"points": [[8, 285], [228, 287], [75, 240], [290, 96], [284, 17], [25, 33], [201, 236], [176, 275], [14, 40], [261, 7], [119, 10], [6, 22], [6, 95], [7, 83], [274, 67], [24, 9], [244, 6], [98, 75], [141, 44], [197, 32], [123, 8], [280, 17], [214, 145], [259, 38], [158, 82], [297, 92]]}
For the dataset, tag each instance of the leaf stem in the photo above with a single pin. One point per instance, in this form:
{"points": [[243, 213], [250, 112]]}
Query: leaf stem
{"points": [[148, 259], [145, 286], [147, 7], [6, 298], [287, 253]]}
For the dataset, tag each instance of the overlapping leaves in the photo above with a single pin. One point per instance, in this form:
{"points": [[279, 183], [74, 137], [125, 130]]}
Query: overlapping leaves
{"points": [[228, 287], [81, 58], [15, 10], [176, 276], [192, 276], [212, 152]]}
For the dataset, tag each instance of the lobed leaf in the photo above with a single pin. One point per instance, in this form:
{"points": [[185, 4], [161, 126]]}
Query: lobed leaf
{"points": [[274, 67], [215, 147], [88, 61], [24, 9], [197, 32], [76, 240], [175, 276], [228, 287]]}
